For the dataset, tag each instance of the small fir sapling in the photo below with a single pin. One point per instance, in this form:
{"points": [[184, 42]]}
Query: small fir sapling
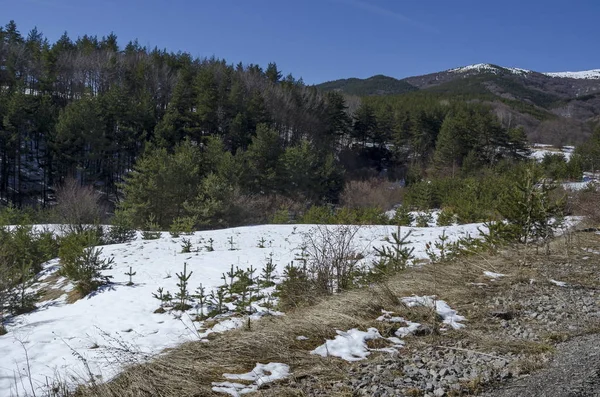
{"points": [[183, 294], [21, 300], [267, 272], [231, 243], [165, 298], [261, 242], [441, 246], [217, 298], [186, 245], [423, 219], [209, 247], [131, 273], [200, 296], [151, 232], [394, 259]]}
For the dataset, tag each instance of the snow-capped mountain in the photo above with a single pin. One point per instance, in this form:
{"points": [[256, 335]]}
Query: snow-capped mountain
{"points": [[593, 74], [487, 67], [546, 105]]}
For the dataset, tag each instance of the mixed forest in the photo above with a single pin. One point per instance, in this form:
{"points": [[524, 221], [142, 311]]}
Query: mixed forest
{"points": [[166, 136]]}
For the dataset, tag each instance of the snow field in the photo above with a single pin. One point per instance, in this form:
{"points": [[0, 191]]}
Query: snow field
{"points": [[117, 326]]}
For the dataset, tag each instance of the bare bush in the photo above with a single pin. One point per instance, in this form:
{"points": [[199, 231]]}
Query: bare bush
{"points": [[371, 193], [585, 203], [260, 209], [78, 204], [332, 261]]}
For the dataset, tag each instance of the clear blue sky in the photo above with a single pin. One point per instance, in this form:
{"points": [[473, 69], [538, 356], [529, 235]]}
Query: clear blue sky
{"points": [[322, 40]]}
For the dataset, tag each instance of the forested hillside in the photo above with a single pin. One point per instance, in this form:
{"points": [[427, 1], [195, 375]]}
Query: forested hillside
{"points": [[556, 108], [87, 108], [165, 136]]}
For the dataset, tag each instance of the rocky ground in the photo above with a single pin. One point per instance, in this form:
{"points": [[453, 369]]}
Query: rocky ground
{"points": [[534, 332]]}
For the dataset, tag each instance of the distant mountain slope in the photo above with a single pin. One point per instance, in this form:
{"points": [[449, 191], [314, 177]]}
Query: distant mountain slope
{"points": [[376, 85], [545, 104]]}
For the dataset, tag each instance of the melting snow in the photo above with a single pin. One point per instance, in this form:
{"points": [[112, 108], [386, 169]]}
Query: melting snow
{"points": [[261, 374], [493, 275], [401, 332], [449, 315], [559, 283], [349, 346]]}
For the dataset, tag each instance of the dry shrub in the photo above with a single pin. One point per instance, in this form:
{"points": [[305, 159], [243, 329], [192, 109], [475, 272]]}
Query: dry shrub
{"points": [[77, 204], [371, 193], [260, 209], [332, 260], [586, 203]]}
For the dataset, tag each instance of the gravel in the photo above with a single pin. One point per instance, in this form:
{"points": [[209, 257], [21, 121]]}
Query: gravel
{"points": [[524, 313]]}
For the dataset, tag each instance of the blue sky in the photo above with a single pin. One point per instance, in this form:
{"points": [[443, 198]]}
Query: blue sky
{"points": [[323, 40]]}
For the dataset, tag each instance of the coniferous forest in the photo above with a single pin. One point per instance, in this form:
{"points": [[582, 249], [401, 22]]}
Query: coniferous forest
{"points": [[165, 135]]}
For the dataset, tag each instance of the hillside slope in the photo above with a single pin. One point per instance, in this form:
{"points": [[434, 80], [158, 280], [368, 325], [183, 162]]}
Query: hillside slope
{"points": [[546, 104]]}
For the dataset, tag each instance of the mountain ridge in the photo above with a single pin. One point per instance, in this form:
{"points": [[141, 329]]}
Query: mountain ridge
{"points": [[549, 103]]}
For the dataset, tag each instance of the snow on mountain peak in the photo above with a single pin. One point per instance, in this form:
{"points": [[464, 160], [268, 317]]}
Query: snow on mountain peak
{"points": [[486, 67], [593, 74]]}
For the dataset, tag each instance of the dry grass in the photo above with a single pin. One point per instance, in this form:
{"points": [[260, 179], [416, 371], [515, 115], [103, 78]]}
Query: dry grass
{"points": [[189, 369]]}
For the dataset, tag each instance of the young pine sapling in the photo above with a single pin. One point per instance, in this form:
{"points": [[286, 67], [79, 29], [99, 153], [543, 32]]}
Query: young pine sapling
{"points": [[183, 294], [131, 273]]}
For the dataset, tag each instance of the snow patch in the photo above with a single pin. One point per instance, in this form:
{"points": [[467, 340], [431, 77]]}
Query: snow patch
{"points": [[261, 374], [448, 315], [493, 275], [401, 332], [559, 283], [593, 74], [349, 346]]}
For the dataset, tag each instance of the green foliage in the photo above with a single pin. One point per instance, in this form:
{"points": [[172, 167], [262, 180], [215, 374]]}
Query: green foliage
{"points": [[209, 247], [267, 275], [322, 215], [21, 299], [22, 246], [186, 246], [281, 217], [81, 263], [183, 296], [375, 85], [162, 183], [318, 215], [423, 219], [121, 230], [446, 217], [131, 273], [211, 206], [528, 208], [402, 217], [394, 258], [295, 289], [588, 154], [163, 296], [152, 229], [182, 225]]}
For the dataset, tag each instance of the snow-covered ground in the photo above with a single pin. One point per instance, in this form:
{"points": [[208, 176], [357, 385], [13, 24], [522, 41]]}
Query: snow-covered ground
{"points": [[538, 151], [117, 325]]}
